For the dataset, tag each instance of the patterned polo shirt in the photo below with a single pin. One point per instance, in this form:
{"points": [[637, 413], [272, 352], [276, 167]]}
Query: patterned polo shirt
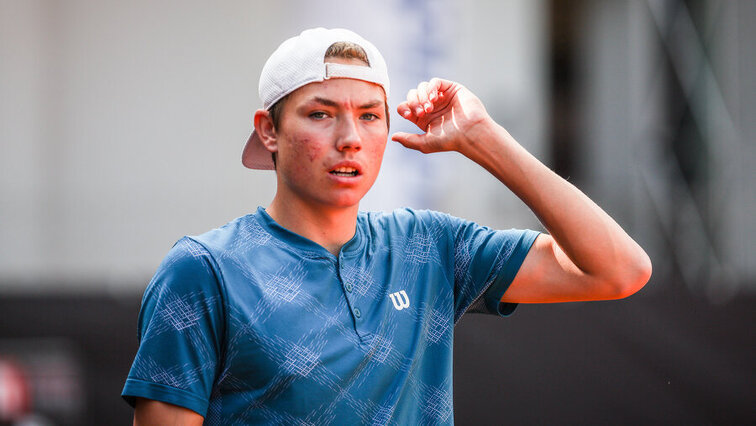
{"points": [[253, 324]]}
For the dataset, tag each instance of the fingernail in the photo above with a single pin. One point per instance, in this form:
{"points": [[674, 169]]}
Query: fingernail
{"points": [[428, 106], [406, 113], [419, 110]]}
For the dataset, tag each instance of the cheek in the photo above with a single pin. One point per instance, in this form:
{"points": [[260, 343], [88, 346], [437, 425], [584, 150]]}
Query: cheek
{"points": [[377, 151], [304, 145]]}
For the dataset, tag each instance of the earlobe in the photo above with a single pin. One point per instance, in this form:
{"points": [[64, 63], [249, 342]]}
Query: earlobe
{"points": [[265, 130]]}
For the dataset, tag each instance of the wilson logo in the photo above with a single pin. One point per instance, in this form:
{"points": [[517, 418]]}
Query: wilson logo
{"points": [[400, 300]]}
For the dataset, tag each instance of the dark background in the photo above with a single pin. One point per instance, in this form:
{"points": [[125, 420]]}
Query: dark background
{"points": [[659, 357]]}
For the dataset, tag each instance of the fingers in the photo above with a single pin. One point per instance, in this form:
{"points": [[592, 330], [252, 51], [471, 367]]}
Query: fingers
{"points": [[404, 110], [409, 140], [420, 100], [424, 99], [434, 89], [415, 102]]}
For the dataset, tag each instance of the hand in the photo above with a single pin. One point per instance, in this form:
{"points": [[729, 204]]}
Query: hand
{"points": [[447, 112]]}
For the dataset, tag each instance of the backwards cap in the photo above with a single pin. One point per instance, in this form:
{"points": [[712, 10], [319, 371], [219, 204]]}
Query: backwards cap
{"points": [[299, 61]]}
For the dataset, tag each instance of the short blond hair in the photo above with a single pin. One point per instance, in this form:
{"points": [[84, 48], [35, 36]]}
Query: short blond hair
{"points": [[347, 50]]}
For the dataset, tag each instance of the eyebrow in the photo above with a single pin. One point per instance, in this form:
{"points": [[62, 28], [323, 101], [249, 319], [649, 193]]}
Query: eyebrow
{"points": [[330, 103]]}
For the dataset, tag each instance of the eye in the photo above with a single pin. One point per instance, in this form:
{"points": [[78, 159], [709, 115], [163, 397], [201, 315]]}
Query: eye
{"points": [[318, 115], [369, 116]]}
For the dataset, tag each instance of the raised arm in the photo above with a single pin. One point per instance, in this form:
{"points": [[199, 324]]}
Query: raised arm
{"points": [[585, 256]]}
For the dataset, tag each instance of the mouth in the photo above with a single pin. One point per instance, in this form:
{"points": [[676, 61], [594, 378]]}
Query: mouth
{"points": [[345, 172]]}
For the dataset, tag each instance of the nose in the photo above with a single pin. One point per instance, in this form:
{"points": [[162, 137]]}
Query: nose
{"points": [[348, 135]]}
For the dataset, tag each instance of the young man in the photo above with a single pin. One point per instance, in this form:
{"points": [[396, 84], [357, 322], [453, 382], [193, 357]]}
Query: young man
{"points": [[311, 312]]}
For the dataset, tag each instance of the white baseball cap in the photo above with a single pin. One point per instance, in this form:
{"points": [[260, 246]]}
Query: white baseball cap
{"points": [[299, 61]]}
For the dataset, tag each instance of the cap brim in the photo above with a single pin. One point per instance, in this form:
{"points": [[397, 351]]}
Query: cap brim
{"points": [[255, 155]]}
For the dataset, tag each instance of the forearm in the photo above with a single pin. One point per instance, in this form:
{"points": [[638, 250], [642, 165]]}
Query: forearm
{"points": [[587, 255], [588, 236]]}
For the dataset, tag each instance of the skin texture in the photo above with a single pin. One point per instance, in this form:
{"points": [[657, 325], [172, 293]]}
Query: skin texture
{"points": [[585, 256], [324, 125]]}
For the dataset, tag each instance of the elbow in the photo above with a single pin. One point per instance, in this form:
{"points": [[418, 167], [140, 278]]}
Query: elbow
{"points": [[635, 276]]}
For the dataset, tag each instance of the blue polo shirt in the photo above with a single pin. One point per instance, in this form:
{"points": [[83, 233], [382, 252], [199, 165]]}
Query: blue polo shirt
{"points": [[253, 324]]}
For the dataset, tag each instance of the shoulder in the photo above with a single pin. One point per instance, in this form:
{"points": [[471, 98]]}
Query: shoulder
{"points": [[229, 233], [411, 230], [191, 262], [186, 256], [185, 282], [187, 268], [407, 219]]}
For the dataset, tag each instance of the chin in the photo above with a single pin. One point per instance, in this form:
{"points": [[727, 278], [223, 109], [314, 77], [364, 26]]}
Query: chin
{"points": [[347, 200], [346, 203]]}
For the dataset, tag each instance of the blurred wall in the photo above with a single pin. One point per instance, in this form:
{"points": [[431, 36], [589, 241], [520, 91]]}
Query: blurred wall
{"points": [[667, 105], [122, 122]]}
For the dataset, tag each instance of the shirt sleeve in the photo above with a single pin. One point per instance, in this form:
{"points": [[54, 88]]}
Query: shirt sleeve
{"points": [[485, 263], [180, 331]]}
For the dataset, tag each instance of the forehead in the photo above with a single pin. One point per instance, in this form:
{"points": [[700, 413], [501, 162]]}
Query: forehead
{"points": [[343, 91]]}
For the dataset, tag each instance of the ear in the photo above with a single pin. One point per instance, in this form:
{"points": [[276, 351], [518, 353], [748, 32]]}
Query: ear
{"points": [[265, 130]]}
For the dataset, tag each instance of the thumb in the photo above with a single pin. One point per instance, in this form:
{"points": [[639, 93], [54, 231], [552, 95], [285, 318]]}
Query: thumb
{"points": [[410, 140]]}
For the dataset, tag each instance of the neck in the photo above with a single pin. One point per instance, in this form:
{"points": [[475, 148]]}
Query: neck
{"points": [[331, 227]]}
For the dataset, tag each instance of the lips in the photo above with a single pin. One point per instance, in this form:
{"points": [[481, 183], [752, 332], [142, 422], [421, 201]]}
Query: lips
{"points": [[345, 169]]}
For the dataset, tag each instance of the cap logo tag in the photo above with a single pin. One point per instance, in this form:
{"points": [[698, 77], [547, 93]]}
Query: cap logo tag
{"points": [[357, 72]]}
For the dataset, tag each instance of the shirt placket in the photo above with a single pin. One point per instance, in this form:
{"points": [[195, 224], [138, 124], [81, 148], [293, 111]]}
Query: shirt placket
{"points": [[348, 286]]}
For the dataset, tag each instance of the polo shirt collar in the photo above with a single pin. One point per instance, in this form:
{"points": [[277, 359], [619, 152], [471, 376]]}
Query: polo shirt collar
{"points": [[306, 245]]}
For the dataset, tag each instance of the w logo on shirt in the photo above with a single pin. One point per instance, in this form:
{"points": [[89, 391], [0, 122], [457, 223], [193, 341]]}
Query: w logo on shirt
{"points": [[400, 300]]}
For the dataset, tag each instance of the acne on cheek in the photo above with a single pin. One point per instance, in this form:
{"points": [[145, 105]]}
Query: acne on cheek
{"points": [[302, 144]]}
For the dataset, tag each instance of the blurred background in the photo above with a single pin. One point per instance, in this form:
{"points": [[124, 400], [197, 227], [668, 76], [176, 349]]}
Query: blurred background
{"points": [[121, 129]]}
